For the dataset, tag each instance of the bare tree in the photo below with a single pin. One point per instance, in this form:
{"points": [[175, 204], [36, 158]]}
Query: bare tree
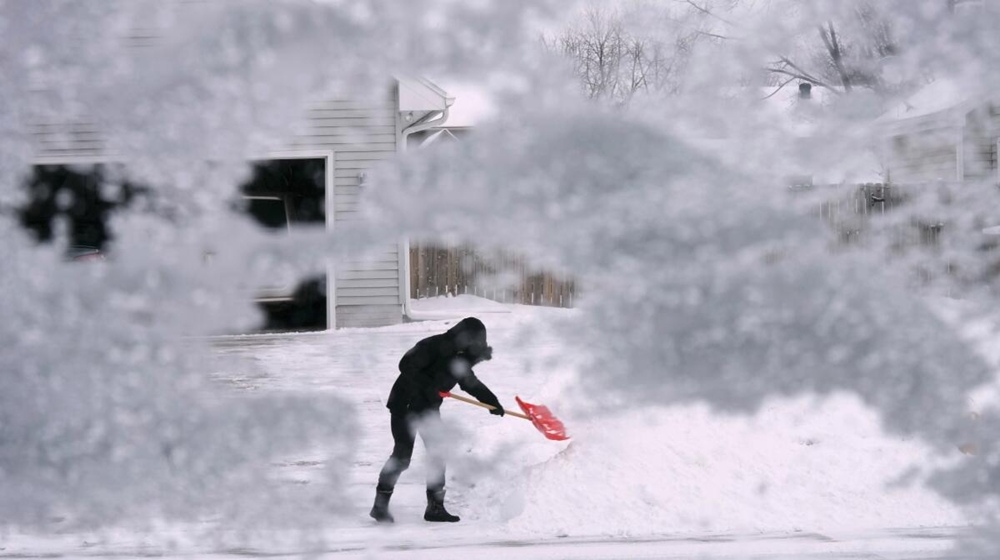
{"points": [[614, 63], [847, 51], [847, 55], [615, 59]]}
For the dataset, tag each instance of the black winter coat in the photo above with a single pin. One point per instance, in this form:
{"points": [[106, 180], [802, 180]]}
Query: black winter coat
{"points": [[438, 363]]}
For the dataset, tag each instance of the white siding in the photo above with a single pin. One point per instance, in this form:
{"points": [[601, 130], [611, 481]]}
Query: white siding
{"points": [[364, 316], [980, 143], [923, 156], [54, 142], [361, 133]]}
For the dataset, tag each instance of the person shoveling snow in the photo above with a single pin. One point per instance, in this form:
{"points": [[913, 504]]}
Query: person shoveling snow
{"points": [[435, 365]]}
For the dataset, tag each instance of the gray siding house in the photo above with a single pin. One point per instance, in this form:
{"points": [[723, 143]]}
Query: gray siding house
{"points": [[343, 137], [942, 133]]}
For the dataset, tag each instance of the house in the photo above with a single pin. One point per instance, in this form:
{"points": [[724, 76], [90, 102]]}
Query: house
{"points": [[816, 151], [291, 185], [472, 105], [942, 133]]}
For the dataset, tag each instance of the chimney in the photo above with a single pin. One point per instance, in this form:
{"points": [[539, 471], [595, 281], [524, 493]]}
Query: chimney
{"points": [[805, 90]]}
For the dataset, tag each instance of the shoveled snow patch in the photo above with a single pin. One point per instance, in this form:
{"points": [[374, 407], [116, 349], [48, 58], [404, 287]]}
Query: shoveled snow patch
{"points": [[798, 465], [463, 304]]}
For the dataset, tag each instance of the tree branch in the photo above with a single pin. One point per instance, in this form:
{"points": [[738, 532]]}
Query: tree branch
{"points": [[806, 77], [833, 48], [708, 12], [713, 35], [779, 88], [801, 73]]}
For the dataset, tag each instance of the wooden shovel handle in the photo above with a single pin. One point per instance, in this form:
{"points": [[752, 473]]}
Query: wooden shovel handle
{"points": [[477, 403]]}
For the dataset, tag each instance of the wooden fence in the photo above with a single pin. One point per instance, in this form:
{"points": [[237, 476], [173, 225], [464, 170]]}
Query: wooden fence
{"points": [[500, 276], [848, 215], [504, 276]]}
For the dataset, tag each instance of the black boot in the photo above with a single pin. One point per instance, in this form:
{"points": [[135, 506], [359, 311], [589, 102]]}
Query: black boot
{"points": [[380, 511], [435, 508]]}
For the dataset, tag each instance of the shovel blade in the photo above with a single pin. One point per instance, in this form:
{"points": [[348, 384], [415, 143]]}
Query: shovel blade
{"points": [[543, 419]]}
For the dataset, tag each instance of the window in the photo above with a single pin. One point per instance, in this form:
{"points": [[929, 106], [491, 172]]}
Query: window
{"points": [[270, 211], [283, 194]]}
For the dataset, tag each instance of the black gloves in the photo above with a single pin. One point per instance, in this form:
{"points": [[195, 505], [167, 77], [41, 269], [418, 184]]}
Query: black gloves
{"points": [[497, 409]]}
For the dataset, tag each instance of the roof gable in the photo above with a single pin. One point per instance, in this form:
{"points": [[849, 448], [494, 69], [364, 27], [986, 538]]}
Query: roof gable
{"points": [[419, 94]]}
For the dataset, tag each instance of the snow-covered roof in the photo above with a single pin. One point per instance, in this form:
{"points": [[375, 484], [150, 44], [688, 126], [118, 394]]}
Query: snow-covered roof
{"points": [[418, 95], [468, 104], [796, 116], [807, 124], [941, 95]]}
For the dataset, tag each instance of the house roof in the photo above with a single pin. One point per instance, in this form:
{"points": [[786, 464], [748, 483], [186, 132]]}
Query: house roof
{"points": [[795, 116], [939, 96], [468, 104], [807, 120], [420, 95]]}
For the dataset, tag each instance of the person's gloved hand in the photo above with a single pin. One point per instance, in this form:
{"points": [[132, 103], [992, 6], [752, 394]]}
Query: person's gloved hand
{"points": [[497, 410]]}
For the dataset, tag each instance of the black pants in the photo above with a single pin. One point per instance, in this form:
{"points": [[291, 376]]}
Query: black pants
{"points": [[404, 428]]}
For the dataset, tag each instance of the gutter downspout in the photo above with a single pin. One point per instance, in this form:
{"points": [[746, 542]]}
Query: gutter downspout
{"points": [[418, 126]]}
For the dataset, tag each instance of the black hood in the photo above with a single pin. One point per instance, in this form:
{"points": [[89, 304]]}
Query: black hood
{"points": [[469, 338]]}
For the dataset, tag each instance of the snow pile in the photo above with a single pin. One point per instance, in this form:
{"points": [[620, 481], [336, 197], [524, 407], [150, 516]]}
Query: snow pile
{"points": [[807, 463], [799, 465]]}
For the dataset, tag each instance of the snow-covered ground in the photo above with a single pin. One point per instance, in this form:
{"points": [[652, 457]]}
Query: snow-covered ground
{"points": [[802, 477]]}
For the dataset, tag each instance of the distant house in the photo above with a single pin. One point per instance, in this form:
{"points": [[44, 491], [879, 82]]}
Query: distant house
{"points": [[942, 133], [802, 114], [313, 177], [470, 106]]}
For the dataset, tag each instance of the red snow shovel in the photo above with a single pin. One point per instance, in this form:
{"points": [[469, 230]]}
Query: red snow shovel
{"points": [[539, 415]]}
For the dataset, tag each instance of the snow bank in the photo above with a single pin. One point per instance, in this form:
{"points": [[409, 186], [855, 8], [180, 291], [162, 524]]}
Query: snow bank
{"points": [[802, 465], [807, 464], [798, 464]]}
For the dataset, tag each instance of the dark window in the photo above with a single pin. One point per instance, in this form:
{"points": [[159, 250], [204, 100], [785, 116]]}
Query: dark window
{"points": [[301, 183], [284, 193], [86, 196], [270, 211]]}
